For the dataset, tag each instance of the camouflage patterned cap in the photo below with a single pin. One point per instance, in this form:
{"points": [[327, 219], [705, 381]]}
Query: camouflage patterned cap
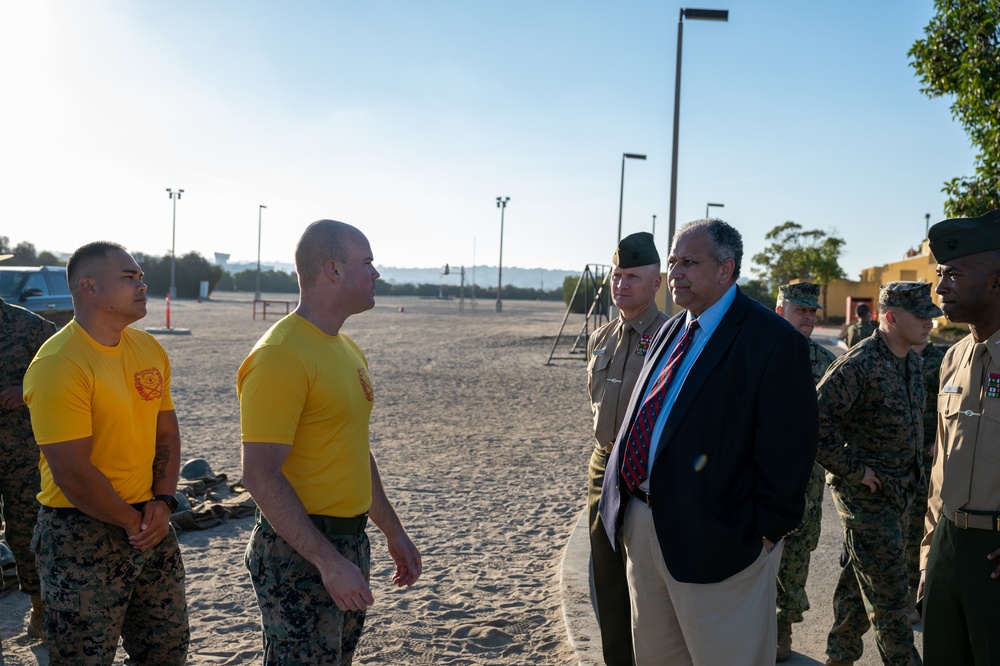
{"points": [[913, 297], [636, 250], [805, 294], [957, 237]]}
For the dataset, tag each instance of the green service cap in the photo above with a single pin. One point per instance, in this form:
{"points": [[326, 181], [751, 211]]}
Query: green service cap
{"points": [[957, 237], [636, 250], [805, 294], [913, 297]]}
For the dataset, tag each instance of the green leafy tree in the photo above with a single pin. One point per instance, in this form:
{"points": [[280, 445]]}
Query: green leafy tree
{"points": [[798, 254], [24, 255], [189, 271], [960, 58]]}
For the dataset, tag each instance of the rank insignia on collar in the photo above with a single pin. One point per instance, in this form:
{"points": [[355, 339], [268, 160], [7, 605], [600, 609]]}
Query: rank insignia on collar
{"points": [[644, 342], [993, 386]]}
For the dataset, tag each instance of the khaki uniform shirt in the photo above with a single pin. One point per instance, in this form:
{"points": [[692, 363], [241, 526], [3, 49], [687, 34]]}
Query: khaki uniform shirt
{"points": [[976, 435], [612, 370]]}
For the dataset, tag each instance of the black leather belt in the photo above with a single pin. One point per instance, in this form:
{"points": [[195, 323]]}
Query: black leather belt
{"points": [[642, 496], [330, 525], [64, 511]]}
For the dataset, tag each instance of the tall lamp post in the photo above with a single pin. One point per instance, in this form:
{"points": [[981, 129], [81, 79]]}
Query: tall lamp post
{"points": [[927, 225], [502, 205], [621, 189], [654, 226], [712, 205], [173, 241], [693, 14], [260, 211]]}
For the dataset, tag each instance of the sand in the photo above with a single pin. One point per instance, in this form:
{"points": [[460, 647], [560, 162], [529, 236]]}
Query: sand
{"points": [[483, 449]]}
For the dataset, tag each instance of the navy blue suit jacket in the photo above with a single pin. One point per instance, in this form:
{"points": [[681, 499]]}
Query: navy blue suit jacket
{"points": [[737, 449]]}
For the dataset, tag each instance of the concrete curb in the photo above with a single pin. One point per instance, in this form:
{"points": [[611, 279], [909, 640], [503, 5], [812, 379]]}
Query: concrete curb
{"points": [[577, 596]]}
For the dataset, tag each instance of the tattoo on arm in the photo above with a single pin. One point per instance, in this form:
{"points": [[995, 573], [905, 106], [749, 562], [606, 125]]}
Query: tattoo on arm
{"points": [[160, 460]]}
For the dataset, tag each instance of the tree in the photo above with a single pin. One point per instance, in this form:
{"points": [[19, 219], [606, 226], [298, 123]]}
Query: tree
{"points": [[795, 254], [24, 254], [960, 57]]}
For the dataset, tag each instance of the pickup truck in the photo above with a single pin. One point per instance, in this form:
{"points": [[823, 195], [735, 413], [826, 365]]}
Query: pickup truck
{"points": [[41, 289]]}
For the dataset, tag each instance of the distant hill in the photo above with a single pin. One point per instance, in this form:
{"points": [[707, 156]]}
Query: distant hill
{"points": [[485, 276]]}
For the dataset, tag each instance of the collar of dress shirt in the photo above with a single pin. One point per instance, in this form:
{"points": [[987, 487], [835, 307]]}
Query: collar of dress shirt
{"points": [[712, 316], [642, 322]]}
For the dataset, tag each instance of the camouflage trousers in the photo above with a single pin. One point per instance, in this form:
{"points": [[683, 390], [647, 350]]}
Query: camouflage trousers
{"points": [[872, 590], [97, 586], [301, 624], [799, 545], [914, 526], [19, 484]]}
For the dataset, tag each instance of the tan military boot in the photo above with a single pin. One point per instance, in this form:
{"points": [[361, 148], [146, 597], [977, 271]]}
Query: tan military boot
{"points": [[784, 640], [35, 620]]}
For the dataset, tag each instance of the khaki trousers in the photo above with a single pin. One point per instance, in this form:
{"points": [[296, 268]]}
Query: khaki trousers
{"points": [[731, 622]]}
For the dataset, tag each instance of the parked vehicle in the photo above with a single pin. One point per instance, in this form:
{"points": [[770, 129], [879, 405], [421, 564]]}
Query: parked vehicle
{"points": [[41, 289]]}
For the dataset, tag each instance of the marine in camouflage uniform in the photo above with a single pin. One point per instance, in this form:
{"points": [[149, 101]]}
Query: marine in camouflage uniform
{"points": [[863, 328], [798, 303], [22, 332], [932, 357], [871, 405]]}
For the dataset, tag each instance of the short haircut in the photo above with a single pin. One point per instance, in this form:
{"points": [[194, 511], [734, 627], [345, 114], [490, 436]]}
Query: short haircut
{"points": [[321, 241], [862, 310], [82, 255], [727, 243]]}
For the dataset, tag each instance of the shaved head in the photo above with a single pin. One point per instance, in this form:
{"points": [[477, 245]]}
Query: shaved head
{"points": [[321, 241]]}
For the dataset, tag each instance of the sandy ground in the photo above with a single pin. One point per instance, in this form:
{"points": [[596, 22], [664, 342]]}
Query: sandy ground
{"points": [[482, 448]]}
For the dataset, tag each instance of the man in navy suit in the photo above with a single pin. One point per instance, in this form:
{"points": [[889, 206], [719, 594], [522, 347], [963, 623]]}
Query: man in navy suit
{"points": [[709, 469]]}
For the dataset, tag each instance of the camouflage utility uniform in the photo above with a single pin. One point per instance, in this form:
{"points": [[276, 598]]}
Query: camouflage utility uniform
{"points": [[22, 333], [932, 357], [860, 330], [871, 413], [794, 569]]}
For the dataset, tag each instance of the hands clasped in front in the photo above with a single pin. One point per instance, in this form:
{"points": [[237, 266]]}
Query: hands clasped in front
{"points": [[152, 525]]}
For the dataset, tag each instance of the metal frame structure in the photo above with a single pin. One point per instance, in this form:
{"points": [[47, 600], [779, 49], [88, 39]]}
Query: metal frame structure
{"points": [[595, 279]]}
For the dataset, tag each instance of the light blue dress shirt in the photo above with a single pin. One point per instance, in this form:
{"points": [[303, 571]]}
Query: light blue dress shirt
{"points": [[707, 323]]}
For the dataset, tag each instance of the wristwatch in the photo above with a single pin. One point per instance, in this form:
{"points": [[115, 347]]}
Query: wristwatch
{"points": [[169, 500]]}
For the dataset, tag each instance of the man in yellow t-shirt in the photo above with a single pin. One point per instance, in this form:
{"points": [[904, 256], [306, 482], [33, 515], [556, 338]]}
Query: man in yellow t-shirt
{"points": [[99, 396], [305, 401]]}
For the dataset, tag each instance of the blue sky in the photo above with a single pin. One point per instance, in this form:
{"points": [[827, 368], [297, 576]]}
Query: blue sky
{"points": [[408, 119]]}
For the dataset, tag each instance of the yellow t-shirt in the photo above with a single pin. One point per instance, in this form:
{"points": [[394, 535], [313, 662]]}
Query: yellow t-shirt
{"points": [[304, 388], [76, 387]]}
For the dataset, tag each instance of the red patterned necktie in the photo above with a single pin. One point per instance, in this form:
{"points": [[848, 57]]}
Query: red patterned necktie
{"points": [[637, 445]]}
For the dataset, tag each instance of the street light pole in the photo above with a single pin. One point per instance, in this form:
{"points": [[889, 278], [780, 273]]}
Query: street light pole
{"points": [[712, 205], [654, 226], [927, 225], [621, 189], [260, 211], [173, 241], [502, 205], [699, 14]]}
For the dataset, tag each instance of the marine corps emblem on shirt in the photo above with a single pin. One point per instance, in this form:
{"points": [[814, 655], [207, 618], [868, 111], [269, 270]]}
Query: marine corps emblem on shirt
{"points": [[149, 384], [366, 385], [643, 346]]}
